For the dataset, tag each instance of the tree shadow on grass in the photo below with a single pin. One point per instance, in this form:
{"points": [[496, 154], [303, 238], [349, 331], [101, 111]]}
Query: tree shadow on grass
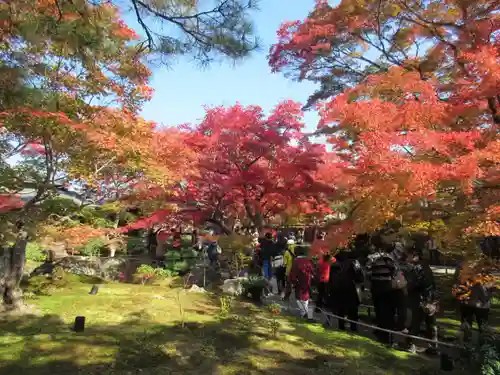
{"points": [[46, 345], [352, 348], [240, 343]]}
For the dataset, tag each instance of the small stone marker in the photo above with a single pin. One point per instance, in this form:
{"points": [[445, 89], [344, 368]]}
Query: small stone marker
{"points": [[196, 289], [94, 290], [446, 362], [79, 324]]}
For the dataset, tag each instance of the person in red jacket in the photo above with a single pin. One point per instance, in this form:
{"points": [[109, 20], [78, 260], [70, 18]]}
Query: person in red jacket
{"points": [[300, 278], [324, 265]]}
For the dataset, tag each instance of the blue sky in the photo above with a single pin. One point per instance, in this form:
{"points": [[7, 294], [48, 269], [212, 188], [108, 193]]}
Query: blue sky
{"points": [[183, 89]]}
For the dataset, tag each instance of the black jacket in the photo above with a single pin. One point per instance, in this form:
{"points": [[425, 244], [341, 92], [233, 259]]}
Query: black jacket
{"points": [[267, 249], [346, 280], [421, 283]]}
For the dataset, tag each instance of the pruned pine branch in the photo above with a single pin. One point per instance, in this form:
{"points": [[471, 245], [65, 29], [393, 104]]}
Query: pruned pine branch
{"points": [[223, 30]]}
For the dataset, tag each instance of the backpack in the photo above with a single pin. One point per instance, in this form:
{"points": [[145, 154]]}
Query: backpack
{"points": [[386, 269]]}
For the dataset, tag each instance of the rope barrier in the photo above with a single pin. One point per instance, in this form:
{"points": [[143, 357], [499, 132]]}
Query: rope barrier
{"points": [[391, 332]]}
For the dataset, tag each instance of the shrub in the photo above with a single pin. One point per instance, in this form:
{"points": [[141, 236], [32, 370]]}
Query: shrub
{"points": [[145, 268], [46, 285], [94, 247], [164, 273], [146, 272], [254, 282], [236, 250], [181, 266], [135, 245], [95, 217], [189, 254], [59, 206], [35, 252], [186, 241], [485, 354], [274, 325], [226, 303], [274, 308], [101, 222], [173, 255]]}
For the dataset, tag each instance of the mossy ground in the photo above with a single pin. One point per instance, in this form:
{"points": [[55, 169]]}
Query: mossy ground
{"points": [[135, 329]]}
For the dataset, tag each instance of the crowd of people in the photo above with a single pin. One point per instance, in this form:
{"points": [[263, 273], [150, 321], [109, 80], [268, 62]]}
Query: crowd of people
{"points": [[398, 279], [396, 276]]}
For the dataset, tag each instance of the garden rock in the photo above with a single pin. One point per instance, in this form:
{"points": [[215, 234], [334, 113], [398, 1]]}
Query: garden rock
{"points": [[196, 289], [105, 268], [43, 269], [233, 287], [56, 250]]}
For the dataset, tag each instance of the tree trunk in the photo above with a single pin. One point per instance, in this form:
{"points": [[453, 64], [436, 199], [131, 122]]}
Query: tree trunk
{"points": [[194, 237], [223, 227], [11, 272], [118, 216], [258, 221], [151, 236], [256, 218], [315, 232]]}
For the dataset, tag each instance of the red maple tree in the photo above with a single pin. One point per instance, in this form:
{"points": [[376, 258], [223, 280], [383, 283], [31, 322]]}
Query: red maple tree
{"points": [[414, 118], [252, 166], [248, 167]]}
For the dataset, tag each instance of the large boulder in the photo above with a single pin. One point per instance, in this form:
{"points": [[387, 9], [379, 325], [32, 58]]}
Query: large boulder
{"points": [[233, 287], [56, 250], [104, 268]]}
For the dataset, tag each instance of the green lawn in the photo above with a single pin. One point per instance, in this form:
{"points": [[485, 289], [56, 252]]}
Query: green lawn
{"points": [[135, 329]]}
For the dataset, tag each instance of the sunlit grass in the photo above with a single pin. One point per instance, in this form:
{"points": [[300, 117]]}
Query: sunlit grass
{"points": [[132, 327]]}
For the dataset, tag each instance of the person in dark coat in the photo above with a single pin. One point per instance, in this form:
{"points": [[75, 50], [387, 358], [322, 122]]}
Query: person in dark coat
{"points": [[279, 268], [388, 285], [349, 288], [281, 242], [334, 283], [422, 299], [267, 252], [213, 251]]}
